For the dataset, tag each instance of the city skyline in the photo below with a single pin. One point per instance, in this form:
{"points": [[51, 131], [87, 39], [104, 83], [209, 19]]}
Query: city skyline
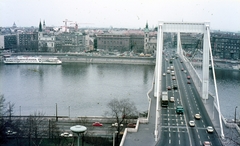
{"points": [[222, 15]]}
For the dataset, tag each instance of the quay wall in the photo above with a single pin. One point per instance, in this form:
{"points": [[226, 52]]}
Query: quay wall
{"points": [[113, 60], [67, 58]]}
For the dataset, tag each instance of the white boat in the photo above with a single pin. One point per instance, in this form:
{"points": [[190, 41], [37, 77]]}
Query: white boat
{"points": [[31, 60]]}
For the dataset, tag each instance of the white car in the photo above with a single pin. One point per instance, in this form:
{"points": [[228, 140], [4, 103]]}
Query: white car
{"points": [[172, 99], [207, 143], [66, 134], [116, 125], [197, 116], [164, 74], [209, 129], [191, 123]]}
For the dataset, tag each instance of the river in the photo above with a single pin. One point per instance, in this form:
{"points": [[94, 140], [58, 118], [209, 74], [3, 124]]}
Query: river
{"points": [[80, 89]]}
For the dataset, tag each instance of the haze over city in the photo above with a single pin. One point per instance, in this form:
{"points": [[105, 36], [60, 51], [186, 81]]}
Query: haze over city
{"points": [[223, 15]]}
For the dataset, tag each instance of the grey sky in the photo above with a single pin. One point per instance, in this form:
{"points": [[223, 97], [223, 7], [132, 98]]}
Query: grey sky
{"points": [[222, 14]]}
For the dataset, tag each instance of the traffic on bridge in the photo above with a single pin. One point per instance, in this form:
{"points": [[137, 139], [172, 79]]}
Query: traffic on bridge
{"points": [[189, 125]]}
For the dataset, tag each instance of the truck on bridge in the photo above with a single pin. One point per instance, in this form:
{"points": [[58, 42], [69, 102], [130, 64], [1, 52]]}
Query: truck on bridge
{"points": [[164, 99]]}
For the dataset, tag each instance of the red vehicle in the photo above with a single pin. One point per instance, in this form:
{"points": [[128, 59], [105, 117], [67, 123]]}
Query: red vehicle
{"points": [[97, 124], [131, 125], [188, 77]]}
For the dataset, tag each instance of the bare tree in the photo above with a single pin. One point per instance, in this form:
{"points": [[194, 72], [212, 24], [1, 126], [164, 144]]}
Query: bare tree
{"points": [[36, 128], [120, 110]]}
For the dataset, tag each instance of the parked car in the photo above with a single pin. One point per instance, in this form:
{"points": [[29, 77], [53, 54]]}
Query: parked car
{"points": [[97, 124], [66, 134], [191, 123], [209, 129], [197, 116], [131, 125], [10, 132], [116, 125]]}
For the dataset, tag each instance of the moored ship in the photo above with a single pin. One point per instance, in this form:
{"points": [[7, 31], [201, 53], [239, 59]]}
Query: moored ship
{"points": [[31, 60]]}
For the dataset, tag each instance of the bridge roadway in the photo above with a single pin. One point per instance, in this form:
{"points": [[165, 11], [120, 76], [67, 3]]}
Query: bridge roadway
{"points": [[175, 129]]}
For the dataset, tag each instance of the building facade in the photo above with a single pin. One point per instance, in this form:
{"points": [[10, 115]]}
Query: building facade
{"points": [[225, 45], [111, 42], [27, 42]]}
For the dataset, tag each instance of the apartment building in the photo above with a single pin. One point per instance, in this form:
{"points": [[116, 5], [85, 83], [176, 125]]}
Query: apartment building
{"points": [[225, 45]]}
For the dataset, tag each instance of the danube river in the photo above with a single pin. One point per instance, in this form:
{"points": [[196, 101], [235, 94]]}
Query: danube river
{"points": [[80, 89]]}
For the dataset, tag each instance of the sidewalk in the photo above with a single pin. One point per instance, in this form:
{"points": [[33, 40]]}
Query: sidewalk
{"points": [[231, 135], [145, 134]]}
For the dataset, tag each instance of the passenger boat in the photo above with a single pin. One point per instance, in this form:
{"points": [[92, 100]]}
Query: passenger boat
{"points": [[31, 60]]}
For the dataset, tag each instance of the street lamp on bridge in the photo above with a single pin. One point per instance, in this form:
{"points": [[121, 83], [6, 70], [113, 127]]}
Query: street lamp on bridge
{"points": [[235, 115]]}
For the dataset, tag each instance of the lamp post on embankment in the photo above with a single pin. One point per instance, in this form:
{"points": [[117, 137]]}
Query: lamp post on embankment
{"points": [[78, 129]]}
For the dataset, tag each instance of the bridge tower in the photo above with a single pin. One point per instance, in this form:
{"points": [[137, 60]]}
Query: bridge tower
{"points": [[184, 27]]}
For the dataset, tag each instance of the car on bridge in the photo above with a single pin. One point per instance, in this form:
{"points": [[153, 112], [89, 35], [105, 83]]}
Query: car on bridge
{"points": [[169, 88], [191, 123], [209, 129], [171, 99], [197, 116], [206, 143], [175, 86]]}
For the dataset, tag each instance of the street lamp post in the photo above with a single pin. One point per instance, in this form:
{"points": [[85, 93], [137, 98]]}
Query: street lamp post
{"points": [[78, 129], [235, 114], [114, 137]]}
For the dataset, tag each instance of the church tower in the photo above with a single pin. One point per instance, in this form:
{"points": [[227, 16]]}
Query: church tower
{"points": [[44, 26], [146, 38], [40, 27]]}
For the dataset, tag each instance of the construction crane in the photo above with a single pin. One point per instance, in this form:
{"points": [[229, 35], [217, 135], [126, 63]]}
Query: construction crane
{"points": [[76, 24], [66, 21]]}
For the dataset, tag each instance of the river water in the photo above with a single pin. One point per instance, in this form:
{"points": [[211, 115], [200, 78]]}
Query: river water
{"points": [[77, 89], [80, 89]]}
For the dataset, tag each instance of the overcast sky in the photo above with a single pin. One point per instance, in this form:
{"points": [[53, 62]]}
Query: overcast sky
{"points": [[222, 14]]}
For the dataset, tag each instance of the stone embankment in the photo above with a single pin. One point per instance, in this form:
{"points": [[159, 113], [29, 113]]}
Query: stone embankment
{"points": [[109, 59], [67, 58]]}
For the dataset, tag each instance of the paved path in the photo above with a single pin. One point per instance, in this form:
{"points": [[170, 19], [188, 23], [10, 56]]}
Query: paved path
{"points": [[145, 134]]}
